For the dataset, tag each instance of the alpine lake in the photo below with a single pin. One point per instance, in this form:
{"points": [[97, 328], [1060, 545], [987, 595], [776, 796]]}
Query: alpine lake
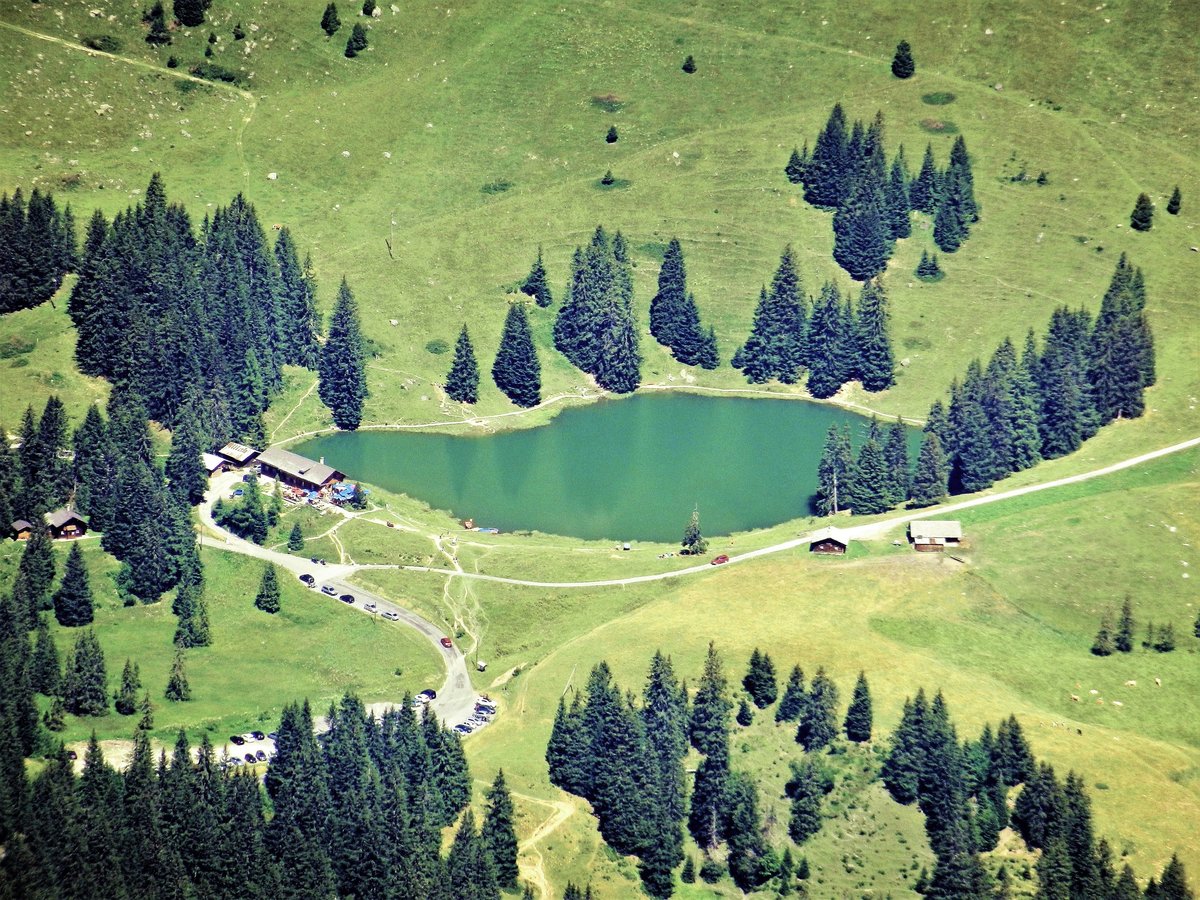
{"points": [[623, 469]]}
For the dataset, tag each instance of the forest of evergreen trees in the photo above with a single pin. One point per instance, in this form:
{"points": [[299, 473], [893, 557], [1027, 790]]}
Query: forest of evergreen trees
{"points": [[848, 173], [355, 812], [626, 756], [37, 247], [1010, 414]]}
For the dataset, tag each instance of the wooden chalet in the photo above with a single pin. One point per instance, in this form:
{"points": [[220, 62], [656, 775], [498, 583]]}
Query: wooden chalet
{"points": [[65, 523], [296, 470], [829, 541], [20, 530], [213, 463], [935, 534], [238, 454]]}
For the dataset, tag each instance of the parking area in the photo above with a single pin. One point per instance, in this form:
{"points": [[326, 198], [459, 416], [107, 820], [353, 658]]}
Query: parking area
{"points": [[247, 749]]}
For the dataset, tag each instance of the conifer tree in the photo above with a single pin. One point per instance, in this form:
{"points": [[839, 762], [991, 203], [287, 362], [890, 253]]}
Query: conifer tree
{"points": [[178, 689], [895, 452], [794, 170], [711, 707], [862, 234], [858, 716], [1175, 203], [95, 470], [357, 42], [759, 680], [665, 713], [1125, 627], [1142, 217], [745, 713], [693, 543], [875, 362], [923, 192], [905, 760], [795, 697], [189, 606], [267, 598], [829, 344], [73, 599], [751, 862], [834, 487], [45, 671], [611, 137], [689, 65], [826, 176], [818, 721], [342, 369], [296, 538], [775, 346], [930, 479], [1103, 645], [535, 283], [902, 63], [462, 382], [516, 369], [497, 834], [297, 303], [688, 874], [186, 476], [125, 699], [35, 574], [85, 687], [157, 19], [806, 789], [897, 202], [870, 481], [330, 22]]}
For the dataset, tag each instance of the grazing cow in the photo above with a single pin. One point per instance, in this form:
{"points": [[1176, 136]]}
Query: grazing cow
{"points": [[1158, 682], [1131, 684], [1075, 697]]}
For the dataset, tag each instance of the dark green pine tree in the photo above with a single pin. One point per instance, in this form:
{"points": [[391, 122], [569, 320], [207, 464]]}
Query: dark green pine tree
{"points": [[342, 369], [897, 202], [751, 862], [805, 789], [693, 543], [462, 382], [330, 22], [126, 696], [949, 229], [296, 538], [759, 680], [862, 234], [297, 303], [902, 63], [1173, 885], [875, 365], [775, 346], [497, 833], [1176, 202], [535, 283], [568, 753], [924, 190], [707, 356], [902, 767], [795, 697], [357, 42], [1142, 217], [35, 575], [829, 344], [706, 811], [828, 175], [928, 268], [869, 479], [834, 475], [85, 685], [469, 867], [157, 20], [45, 671], [516, 369], [858, 716], [794, 170], [95, 470], [665, 715], [711, 707], [178, 690], [186, 476], [1054, 873], [931, 477], [961, 182], [190, 13], [73, 599], [189, 606], [818, 722], [267, 598], [1125, 627], [895, 451], [665, 305], [1104, 645], [745, 713]]}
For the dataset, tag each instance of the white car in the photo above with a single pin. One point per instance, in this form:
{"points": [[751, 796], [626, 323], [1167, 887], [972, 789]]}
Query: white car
{"points": [[369, 607], [388, 614]]}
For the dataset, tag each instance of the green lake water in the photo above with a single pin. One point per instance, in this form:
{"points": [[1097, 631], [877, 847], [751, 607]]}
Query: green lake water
{"points": [[625, 470]]}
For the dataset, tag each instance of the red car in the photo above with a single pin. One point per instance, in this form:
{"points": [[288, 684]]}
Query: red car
{"points": [[720, 560], [447, 643]]}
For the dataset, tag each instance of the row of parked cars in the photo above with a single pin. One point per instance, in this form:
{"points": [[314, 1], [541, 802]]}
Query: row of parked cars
{"points": [[330, 591], [485, 711], [250, 757]]}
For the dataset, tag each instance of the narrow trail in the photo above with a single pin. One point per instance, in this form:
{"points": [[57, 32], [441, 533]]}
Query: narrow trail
{"points": [[312, 387], [169, 73], [531, 861]]}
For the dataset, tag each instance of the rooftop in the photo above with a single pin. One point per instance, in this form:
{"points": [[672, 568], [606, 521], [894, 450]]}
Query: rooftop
{"points": [[946, 529]]}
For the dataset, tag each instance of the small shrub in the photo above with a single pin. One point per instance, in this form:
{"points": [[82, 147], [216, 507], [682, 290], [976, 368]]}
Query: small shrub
{"points": [[938, 126], [689, 65], [496, 187], [938, 98], [215, 72], [15, 345], [172, 62], [711, 871], [608, 178], [239, 33], [610, 103], [437, 347], [105, 43], [611, 137]]}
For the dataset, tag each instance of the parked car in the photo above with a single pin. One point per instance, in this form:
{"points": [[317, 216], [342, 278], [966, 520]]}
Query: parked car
{"points": [[328, 589], [447, 643], [369, 606], [271, 736], [720, 560], [463, 729], [426, 695], [388, 614], [314, 560], [308, 579], [250, 758], [347, 598], [258, 735], [238, 493], [237, 739], [260, 756]]}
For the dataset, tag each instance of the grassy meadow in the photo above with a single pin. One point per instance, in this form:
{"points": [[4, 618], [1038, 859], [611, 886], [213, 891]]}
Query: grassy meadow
{"points": [[430, 169]]}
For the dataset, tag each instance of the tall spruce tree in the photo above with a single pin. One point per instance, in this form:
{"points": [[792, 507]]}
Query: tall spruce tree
{"points": [[902, 63], [342, 373], [805, 789], [1176, 202], [829, 344], [895, 452], [178, 690], [775, 346], [535, 283], [931, 477], [794, 699], [267, 598], [693, 543], [924, 190], [834, 482], [186, 476], [35, 575], [73, 599], [125, 698], [759, 680], [45, 672], [711, 707], [862, 233], [869, 479], [1142, 217], [330, 21], [516, 369], [858, 716], [875, 363], [497, 833], [462, 382], [297, 303], [85, 684], [826, 176], [818, 722]]}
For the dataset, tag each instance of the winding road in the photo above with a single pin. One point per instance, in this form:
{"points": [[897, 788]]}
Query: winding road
{"points": [[456, 699]]}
